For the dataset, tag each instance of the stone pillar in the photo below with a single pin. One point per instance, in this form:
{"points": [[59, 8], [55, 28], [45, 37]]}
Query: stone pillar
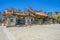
{"points": [[30, 20], [26, 21], [33, 19]]}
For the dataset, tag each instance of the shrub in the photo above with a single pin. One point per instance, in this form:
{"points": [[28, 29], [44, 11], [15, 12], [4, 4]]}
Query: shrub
{"points": [[39, 21]]}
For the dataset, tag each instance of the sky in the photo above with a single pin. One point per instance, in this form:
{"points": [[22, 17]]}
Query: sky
{"points": [[44, 5]]}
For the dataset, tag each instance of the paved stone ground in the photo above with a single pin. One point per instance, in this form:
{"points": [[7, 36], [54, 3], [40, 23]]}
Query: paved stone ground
{"points": [[36, 32], [2, 35], [5, 34]]}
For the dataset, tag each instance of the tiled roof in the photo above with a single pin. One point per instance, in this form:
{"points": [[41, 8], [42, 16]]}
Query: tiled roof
{"points": [[8, 12], [54, 14], [41, 13], [20, 13], [31, 10]]}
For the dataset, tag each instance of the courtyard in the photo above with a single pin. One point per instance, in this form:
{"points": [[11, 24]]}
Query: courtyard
{"points": [[35, 32]]}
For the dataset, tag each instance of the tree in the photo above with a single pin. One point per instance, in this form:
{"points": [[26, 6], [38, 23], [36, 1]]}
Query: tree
{"points": [[58, 18]]}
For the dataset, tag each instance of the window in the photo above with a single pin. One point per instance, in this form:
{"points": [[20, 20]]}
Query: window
{"points": [[11, 20]]}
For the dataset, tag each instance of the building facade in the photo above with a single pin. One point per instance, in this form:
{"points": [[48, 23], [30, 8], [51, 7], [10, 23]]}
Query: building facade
{"points": [[14, 17]]}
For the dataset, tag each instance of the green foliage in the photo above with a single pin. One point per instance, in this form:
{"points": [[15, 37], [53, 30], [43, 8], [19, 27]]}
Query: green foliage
{"points": [[48, 20], [58, 18], [40, 22]]}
